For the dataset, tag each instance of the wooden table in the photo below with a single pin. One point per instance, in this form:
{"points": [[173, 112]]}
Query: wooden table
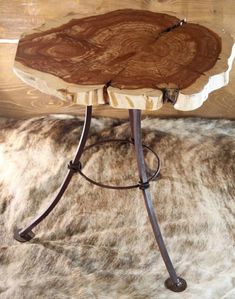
{"points": [[128, 59]]}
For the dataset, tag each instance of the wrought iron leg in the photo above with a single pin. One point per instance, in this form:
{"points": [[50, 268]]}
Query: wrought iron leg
{"points": [[174, 283], [26, 234], [131, 123]]}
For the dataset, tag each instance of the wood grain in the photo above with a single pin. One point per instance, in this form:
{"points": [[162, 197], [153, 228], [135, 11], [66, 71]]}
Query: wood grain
{"points": [[19, 100], [126, 58]]}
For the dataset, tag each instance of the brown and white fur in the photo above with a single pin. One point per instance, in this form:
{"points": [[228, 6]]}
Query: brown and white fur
{"points": [[98, 243]]}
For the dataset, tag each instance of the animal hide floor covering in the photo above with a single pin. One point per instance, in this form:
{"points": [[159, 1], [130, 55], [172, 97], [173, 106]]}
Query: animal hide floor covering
{"points": [[98, 243]]}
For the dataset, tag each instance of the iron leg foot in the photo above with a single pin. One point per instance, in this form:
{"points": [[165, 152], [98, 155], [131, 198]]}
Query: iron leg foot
{"points": [[23, 237], [180, 286]]}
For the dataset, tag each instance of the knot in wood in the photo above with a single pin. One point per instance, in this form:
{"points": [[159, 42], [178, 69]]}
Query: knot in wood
{"points": [[170, 95]]}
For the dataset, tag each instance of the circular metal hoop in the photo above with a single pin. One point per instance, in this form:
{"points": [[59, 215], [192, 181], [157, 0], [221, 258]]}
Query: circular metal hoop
{"points": [[78, 166]]}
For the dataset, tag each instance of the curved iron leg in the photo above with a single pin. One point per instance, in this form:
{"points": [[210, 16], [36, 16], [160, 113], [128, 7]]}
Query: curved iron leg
{"points": [[174, 282], [26, 234], [131, 123]]}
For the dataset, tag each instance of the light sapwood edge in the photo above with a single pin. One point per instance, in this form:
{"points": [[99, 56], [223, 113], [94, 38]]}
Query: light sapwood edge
{"points": [[52, 85], [144, 99], [188, 102], [195, 95]]}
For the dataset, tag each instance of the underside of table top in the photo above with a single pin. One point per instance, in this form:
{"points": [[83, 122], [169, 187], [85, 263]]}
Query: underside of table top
{"points": [[127, 58]]}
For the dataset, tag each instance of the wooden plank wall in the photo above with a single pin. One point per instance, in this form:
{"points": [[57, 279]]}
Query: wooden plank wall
{"points": [[18, 100]]}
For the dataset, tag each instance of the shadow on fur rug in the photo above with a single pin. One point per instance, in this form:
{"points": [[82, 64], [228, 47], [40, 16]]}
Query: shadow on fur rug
{"points": [[98, 243]]}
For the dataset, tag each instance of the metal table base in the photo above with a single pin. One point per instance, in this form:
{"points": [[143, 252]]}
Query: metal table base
{"points": [[174, 282]]}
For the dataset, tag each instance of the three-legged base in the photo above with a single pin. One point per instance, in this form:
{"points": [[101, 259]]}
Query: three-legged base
{"points": [[173, 283]]}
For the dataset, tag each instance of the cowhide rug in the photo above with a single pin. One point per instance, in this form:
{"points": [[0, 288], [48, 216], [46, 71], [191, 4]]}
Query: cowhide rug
{"points": [[98, 243]]}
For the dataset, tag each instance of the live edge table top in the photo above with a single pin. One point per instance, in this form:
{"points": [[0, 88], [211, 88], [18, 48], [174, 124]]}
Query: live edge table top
{"points": [[127, 58]]}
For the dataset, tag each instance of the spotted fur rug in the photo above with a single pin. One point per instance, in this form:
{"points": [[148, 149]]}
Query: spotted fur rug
{"points": [[98, 243]]}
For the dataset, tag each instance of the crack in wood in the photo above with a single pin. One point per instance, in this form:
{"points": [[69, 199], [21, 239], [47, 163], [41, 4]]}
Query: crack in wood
{"points": [[169, 94], [178, 24], [105, 92]]}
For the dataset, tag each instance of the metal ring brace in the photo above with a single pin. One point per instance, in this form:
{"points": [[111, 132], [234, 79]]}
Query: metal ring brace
{"points": [[77, 167]]}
